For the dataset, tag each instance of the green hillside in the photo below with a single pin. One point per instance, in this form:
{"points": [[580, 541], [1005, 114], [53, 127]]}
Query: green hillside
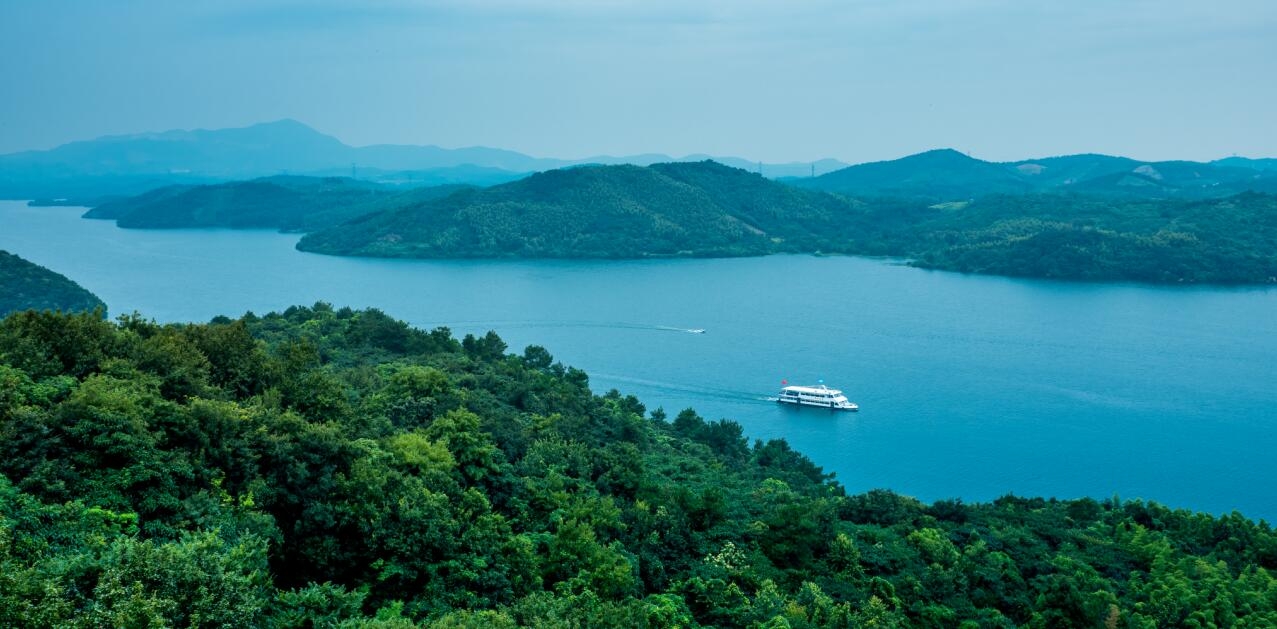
{"points": [[675, 209], [1069, 169], [939, 174], [334, 468], [291, 203], [26, 285], [1231, 240]]}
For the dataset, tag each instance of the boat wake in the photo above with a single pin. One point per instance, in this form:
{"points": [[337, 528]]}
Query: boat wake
{"points": [[514, 324], [695, 391]]}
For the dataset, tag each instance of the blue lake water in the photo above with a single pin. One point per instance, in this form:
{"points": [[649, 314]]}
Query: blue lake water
{"points": [[969, 386]]}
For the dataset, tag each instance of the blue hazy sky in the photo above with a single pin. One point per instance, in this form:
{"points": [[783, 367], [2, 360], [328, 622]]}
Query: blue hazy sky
{"points": [[853, 79]]}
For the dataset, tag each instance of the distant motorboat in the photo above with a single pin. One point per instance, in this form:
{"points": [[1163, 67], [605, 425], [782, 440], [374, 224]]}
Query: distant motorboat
{"points": [[819, 396], [697, 330]]}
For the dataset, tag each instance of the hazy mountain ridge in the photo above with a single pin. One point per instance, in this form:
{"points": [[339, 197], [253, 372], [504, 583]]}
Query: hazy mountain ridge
{"points": [[131, 164], [946, 174]]}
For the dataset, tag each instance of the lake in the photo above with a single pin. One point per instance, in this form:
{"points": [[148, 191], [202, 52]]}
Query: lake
{"points": [[969, 386]]}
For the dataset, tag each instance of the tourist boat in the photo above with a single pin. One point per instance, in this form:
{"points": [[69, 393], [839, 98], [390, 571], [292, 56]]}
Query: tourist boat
{"points": [[819, 395]]}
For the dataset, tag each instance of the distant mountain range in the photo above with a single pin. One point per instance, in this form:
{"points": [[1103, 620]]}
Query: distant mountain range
{"points": [[89, 171], [130, 164], [946, 174]]}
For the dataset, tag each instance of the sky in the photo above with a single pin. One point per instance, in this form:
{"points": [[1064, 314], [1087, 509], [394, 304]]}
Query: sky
{"points": [[856, 80]]}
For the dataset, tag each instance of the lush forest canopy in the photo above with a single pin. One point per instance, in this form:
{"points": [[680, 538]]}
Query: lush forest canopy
{"points": [[26, 285], [325, 467]]}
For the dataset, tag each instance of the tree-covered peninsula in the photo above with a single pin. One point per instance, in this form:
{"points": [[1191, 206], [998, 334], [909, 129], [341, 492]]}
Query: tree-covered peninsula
{"points": [[26, 285], [676, 209], [334, 468], [1232, 240]]}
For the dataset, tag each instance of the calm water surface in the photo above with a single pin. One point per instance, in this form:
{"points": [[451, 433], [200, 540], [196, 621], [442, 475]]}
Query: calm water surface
{"points": [[969, 386]]}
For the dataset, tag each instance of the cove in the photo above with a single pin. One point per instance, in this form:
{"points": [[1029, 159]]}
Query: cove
{"points": [[970, 387]]}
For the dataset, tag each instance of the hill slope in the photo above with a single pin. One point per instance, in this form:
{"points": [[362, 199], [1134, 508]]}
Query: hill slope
{"points": [[25, 285], [942, 173], [697, 209]]}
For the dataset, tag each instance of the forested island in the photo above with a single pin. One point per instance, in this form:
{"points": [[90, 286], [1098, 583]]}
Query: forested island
{"points": [[24, 285], [707, 209], [331, 467], [1085, 217]]}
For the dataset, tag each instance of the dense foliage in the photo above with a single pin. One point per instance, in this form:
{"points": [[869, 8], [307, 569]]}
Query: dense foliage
{"points": [[24, 285], [1231, 240], [290, 203], [676, 209], [324, 467]]}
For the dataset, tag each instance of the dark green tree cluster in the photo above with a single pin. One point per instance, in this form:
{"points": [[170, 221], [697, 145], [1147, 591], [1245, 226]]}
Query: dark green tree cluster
{"points": [[26, 285], [336, 468]]}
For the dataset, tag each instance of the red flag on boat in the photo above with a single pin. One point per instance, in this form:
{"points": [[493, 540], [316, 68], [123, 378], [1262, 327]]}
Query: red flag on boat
{"points": [[784, 381]]}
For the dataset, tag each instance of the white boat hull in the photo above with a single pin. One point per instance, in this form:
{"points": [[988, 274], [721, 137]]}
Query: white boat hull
{"points": [[830, 406]]}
